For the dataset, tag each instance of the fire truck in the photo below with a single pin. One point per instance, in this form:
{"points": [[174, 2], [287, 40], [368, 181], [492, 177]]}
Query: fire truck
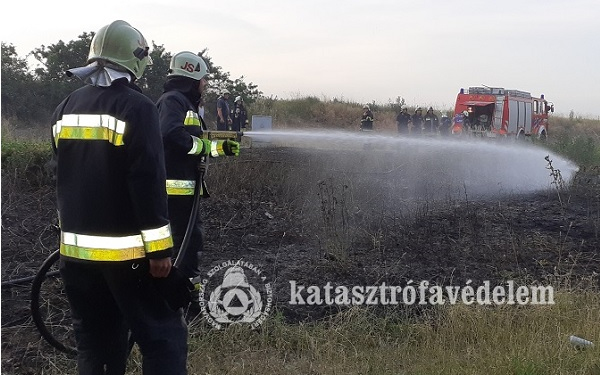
{"points": [[495, 111]]}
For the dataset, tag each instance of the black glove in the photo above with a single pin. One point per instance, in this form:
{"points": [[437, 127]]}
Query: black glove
{"points": [[176, 289]]}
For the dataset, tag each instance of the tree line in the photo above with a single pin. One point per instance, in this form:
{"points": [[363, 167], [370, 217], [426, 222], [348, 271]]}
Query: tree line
{"points": [[29, 95]]}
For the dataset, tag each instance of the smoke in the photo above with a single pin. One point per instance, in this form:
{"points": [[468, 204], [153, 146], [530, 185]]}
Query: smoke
{"points": [[421, 167]]}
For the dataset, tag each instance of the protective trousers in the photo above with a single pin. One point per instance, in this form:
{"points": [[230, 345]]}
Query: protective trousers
{"points": [[108, 300], [180, 207]]}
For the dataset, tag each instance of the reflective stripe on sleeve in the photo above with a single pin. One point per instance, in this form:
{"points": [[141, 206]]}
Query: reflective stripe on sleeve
{"points": [[180, 187], [90, 127], [197, 146], [191, 118], [157, 239], [216, 149]]}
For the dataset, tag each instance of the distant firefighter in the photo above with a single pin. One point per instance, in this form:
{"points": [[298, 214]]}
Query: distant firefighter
{"points": [[403, 121], [445, 125], [366, 122], [431, 122], [239, 115], [417, 120]]}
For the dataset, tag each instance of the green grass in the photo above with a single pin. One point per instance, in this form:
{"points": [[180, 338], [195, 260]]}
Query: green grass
{"points": [[25, 163]]}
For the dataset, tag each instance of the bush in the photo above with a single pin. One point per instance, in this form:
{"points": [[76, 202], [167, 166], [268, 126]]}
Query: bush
{"points": [[584, 151], [25, 164]]}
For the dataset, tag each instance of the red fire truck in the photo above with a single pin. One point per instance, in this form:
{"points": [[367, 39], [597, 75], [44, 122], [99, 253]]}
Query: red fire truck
{"points": [[495, 111]]}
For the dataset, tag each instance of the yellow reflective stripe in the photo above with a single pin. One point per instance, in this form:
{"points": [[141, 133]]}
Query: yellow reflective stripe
{"points": [[159, 245], [191, 118], [102, 134], [90, 127], [180, 191], [180, 187], [157, 239], [105, 248], [99, 254], [216, 148]]}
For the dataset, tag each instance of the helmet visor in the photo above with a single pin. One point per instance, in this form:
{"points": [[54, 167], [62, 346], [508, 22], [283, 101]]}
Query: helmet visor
{"points": [[142, 53]]}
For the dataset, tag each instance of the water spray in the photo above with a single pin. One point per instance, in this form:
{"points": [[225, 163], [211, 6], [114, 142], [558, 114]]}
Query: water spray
{"points": [[476, 166]]}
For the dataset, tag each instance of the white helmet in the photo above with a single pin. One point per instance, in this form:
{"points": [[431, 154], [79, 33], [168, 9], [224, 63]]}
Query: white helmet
{"points": [[366, 107], [188, 64], [237, 99], [225, 92]]}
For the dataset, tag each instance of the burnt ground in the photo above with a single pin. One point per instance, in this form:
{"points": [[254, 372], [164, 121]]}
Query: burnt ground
{"points": [[300, 215]]}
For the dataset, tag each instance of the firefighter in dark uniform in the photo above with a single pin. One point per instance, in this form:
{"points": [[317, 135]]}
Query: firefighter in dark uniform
{"points": [[182, 130], [431, 122], [116, 243], [239, 116], [403, 121], [223, 111], [417, 120], [445, 125], [366, 121]]}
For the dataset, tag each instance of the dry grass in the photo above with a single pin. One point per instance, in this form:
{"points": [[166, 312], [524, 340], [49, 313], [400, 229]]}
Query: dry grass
{"points": [[449, 340], [525, 340]]}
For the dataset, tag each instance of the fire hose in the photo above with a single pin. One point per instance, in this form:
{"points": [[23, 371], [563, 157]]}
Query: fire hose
{"points": [[200, 186]]}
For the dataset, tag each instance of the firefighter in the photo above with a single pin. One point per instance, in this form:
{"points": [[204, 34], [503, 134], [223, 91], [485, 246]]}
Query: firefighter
{"points": [[182, 130], [431, 122], [366, 122], [223, 114], [239, 116], [116, 243], [445, 125], [417, 120], [466, 121], [483, 121], [403, 121]]}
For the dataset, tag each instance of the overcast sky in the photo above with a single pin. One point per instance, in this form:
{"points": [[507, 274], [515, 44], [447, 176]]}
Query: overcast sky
{"points": [[363, 51]]}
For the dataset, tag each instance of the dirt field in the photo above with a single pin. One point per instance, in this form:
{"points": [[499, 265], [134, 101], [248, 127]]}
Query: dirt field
{"points": [[316, 217]]}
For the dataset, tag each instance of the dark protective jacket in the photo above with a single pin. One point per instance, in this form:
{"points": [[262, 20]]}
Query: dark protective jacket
{"points": [[181, 128], [417, 121], [403, 119], [239, 117], [110, 179], [366, 121], [431, 122], [180, 123]]}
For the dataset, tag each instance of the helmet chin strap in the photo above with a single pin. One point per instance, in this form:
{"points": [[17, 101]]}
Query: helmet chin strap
{"points": [[99, 74]]}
